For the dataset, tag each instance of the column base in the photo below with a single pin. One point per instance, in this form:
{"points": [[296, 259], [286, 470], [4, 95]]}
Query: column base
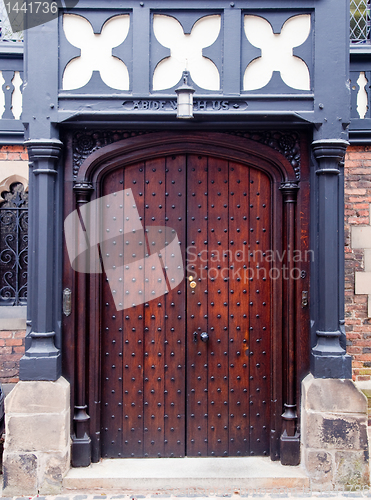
{"points": [[40, 367], [290, 449], [331, 366], [81, 451]]}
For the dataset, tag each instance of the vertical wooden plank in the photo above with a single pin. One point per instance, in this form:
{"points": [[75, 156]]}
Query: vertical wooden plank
{"points": [[111, 334], [68, 337], [307, 258], [260, 311], [95, 376], [239, 226], [218, 288], [175, 317], [133, 325], [276, 405], [154, 355], [197, 307]]}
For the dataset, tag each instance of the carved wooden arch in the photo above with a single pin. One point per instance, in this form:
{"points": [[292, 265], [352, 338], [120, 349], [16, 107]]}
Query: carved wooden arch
{"points": [[287, 363], [220, 145]]}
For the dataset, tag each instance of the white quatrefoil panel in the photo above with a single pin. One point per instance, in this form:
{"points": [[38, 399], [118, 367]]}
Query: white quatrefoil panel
{"points": [[186, 52], [96, 52], [277, 52]]}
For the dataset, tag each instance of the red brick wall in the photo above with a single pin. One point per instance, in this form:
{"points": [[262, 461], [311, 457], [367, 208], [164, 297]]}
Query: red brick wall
{"points": [[357, 211], [11, 351], [13, 153]]}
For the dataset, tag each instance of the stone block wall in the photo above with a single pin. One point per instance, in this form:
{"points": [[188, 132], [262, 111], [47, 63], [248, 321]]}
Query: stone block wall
{"points": [[357, 213], [37, 438], [334, 434]]}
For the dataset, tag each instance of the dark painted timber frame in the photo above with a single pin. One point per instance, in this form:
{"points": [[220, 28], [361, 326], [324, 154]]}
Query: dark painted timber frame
{"points": [[290, 353]]}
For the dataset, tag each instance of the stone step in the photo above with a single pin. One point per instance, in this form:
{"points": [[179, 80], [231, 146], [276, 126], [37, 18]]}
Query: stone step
{"points": [[177, 476]]}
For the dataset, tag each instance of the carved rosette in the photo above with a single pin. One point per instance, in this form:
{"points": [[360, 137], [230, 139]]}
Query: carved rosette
{"points": [[287, 143], [85, 143]]}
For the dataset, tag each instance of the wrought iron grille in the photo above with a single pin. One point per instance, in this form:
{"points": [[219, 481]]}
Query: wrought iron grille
{"points": [[360, 21], [14, 246]]}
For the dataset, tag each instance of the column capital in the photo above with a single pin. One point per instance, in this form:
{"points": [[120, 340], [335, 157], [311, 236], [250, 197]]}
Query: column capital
{"points": [[289, 190], [331, 149], [43, 149]]}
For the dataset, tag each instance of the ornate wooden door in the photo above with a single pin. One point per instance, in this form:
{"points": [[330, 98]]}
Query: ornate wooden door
{"points": [[188, 373]]}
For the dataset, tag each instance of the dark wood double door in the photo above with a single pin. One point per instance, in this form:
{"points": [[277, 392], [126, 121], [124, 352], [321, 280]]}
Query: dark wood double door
{"points": [[189, 372]]}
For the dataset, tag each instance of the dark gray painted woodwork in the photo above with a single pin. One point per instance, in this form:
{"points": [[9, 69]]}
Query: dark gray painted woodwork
{"points": [[360, 60], [11, 60], [40, 95], [329, 359], [232, 79], [331, 58], [42, 359], [141, 34]]}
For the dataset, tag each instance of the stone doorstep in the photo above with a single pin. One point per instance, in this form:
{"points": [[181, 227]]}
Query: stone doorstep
{"points": [[175, 476], [128, 495]]}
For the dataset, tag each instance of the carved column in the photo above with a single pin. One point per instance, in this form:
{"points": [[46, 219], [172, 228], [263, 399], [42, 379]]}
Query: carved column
{"points": [[42, 359], [81, 443], [329, 359], [290, 439]]}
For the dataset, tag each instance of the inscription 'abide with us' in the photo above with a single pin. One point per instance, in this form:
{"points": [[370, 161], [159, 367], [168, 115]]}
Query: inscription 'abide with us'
{"points": [[171, 105]]}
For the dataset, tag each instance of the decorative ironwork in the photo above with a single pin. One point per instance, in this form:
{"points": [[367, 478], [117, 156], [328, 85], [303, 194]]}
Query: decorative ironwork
{"points": [[360, 21], [85, 143], [14, 246]]}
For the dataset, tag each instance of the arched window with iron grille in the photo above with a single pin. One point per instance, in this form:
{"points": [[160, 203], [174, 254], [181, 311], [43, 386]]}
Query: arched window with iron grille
{"points": [[13, 246]]}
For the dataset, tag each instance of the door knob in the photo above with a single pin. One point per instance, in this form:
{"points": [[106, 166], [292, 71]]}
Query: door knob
{"points": [[204, 336]]}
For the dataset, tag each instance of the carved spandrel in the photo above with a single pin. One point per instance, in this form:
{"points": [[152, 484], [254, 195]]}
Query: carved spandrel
{"points": [[287, 143]]}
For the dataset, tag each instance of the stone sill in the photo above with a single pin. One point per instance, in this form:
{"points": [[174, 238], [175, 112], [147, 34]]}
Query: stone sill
{"points": [[13, 318]]}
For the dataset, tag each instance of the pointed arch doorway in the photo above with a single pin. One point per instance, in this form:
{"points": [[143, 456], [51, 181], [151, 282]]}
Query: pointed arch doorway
{"points": [[207, 368]]}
